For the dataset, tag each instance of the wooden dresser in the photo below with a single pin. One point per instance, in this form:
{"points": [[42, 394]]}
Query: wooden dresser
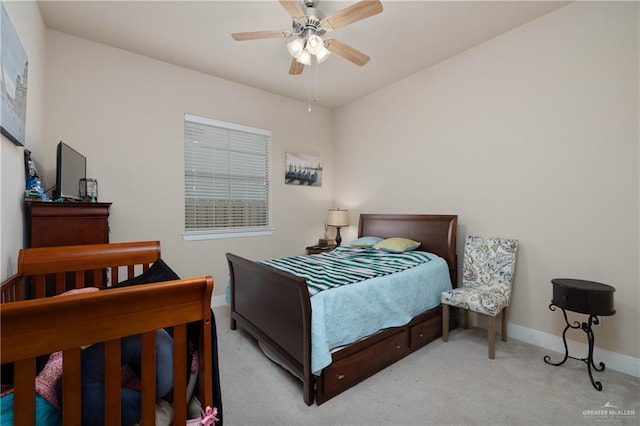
{"points": [[69, 223]]}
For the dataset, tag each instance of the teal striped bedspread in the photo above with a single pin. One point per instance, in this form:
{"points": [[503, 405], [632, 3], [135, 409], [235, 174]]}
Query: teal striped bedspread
{"points": [[346, 265], [370, 290]]}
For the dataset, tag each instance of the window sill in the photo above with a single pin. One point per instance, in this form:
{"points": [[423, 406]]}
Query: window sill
{"points": [[197, 236]]}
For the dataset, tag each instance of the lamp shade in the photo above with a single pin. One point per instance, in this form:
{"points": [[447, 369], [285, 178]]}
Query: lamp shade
{"points": [[323, 55], [295, 47], [338, 218], [304, 58], [314, 44]]}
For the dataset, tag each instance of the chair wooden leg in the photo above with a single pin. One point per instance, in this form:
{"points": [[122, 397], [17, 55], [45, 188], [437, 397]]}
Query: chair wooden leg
{"points": [[504, 324], [492, 337], [465, 314], [445, 322]]}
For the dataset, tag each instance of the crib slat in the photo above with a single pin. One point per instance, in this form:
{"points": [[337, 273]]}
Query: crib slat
{"points": [[179, 377], [97, 277], [114, 275], [112, 382], [205, 381], [60, 283], [11, 288], [79, 279], [130, 271], [24, 392], [71, 373], [21, 290], [148, 361], [41, 286]]}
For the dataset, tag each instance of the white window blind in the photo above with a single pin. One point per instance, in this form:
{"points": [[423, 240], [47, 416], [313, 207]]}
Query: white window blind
{"points": [[226, 179]]}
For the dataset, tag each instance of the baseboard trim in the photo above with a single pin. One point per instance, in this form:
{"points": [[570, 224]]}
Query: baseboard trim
{"points": [[613, 360]]}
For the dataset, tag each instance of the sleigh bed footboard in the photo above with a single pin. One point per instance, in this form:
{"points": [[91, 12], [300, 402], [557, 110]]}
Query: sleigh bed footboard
{"points": [[275, 308]]}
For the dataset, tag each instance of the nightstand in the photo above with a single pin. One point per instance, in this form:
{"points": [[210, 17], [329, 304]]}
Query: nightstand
{"points": [[319, 249]]}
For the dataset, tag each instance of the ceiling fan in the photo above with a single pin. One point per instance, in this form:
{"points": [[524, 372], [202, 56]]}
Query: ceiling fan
{"points": [[309, 27]]}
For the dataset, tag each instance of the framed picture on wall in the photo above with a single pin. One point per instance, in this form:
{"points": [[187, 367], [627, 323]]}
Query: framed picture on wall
{"points": [[302, 169], [14, 66]]}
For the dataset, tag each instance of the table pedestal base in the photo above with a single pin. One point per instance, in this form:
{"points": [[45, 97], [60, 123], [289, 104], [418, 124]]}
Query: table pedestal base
{"points": [[586, 327]]}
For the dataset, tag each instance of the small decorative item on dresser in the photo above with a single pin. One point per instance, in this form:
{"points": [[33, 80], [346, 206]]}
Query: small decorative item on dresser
{"points": [[89, 190]]}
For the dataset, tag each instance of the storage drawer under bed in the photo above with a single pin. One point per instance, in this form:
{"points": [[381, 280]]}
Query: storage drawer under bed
{"points": [[350, 370], [425, 332]]}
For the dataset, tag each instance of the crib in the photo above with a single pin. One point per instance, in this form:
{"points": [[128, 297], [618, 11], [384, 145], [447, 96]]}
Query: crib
{"points": [[34, 323]]}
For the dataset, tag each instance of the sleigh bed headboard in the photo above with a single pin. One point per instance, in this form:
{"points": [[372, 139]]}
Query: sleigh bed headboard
{"points": [[437, 238]]}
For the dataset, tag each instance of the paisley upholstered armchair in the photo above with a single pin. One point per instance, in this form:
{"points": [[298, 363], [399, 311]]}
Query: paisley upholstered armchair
{"points": [[487, 277]]}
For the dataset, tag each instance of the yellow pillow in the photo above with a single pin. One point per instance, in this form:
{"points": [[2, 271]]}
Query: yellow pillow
{"points": [[397, 245]]}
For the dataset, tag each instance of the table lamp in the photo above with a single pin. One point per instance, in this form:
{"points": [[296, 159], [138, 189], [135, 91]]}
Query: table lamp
{"points": [[338, 219]]}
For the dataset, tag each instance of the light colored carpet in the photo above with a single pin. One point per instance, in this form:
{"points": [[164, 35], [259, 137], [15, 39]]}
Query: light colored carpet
{"points": [[451, 383]]}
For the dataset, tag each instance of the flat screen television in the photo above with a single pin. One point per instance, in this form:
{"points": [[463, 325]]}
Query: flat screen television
{"points": [[71, 166]]}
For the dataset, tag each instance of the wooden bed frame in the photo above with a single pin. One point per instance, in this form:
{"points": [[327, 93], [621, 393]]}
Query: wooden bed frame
{"points": [[30, 328], [275, 308]]}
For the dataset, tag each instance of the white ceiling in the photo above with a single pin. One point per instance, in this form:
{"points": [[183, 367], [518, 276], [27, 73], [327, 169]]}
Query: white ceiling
{"points": [[408, 36]]}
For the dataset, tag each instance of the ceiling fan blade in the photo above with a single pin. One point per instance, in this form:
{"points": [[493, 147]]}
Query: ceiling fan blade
{"points": [[346, 51], [255, 35], [296, 67], [292, 7], [361, 10]]}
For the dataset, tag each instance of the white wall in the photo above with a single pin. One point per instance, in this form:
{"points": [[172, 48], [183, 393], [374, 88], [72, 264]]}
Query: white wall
{"points": [[532, 135], [125, 113], [26, 19]]}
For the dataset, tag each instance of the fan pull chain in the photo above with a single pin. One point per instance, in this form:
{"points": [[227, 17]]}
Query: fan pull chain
{"points": [[314, 70], [315, 99], [309, 84]]}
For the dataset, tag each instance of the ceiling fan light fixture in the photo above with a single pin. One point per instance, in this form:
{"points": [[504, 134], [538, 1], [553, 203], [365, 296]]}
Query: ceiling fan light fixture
{"points": [[309, 26], [295, 47], [315, 44], [304, 58]]}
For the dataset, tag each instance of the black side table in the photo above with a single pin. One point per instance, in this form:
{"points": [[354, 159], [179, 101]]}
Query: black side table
{"points": [[586, 297]]}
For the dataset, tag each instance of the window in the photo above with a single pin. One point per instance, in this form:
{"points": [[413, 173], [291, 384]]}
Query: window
{"points": [[226, 180]]}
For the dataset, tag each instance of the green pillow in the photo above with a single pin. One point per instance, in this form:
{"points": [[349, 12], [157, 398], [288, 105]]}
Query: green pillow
{"points": [[365, 242], [397, 245]]}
